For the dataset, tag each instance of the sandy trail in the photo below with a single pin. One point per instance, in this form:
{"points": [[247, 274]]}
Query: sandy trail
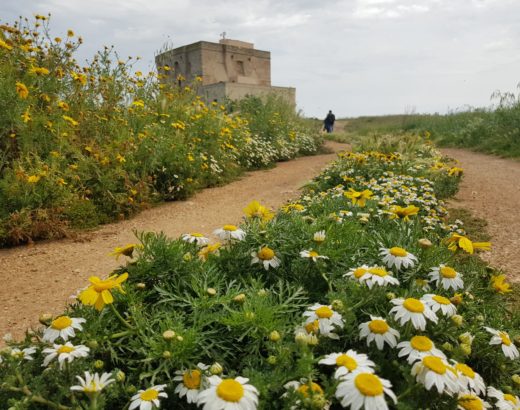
{"points": [[490, 189], [41, 278]]}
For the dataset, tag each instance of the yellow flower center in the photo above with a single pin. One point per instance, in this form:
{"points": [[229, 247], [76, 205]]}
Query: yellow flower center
{"points": [[421, 343], [378, 271], [312, 327], [359, 272], [314, 388], [346, 361], [65, 349], [441, 299], [378, 326], [230, 390], [505, 338], [413, 305], [191, 379], [230, 228], [399, 252], [511, 398], [465, 370], [265, 253], [324, 312], [197, 235], [369, 384], [447, 272], [435, 364], [313, 254], [61, 323], [149, 395], [469, 402]]}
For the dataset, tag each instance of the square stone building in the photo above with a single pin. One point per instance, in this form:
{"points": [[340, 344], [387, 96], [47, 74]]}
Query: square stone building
{"points": [[230, 69]]}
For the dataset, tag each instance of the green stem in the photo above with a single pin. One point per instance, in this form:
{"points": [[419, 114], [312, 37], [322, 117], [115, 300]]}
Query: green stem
{"points": [[121, 334], [94, 402], [121, 319], [37, 399]]}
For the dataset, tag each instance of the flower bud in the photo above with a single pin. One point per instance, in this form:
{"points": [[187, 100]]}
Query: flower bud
{"points": [[457, 320], [447, 346], [180, 338], [516, 379], [312, 340], [131, 389], [168, 335], [93, 344], [272, 360], [337, 304], [425, 243], [262, 292], [187, 257], [216, 368], [466, 338], [274, 336], [250, 315], [391, 295], [45, 319], [466, 349], [99, 364], [211, 291], [240, 298], [120, 376], [166, 354], [140, 286], [456, 299], [300, 338]]}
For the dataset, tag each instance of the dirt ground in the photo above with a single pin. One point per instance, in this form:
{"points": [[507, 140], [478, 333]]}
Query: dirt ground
{"points": [[490, 189], [41, 278]]}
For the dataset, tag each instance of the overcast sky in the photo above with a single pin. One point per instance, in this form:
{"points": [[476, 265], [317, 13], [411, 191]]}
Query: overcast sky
{"points": [[356, 57]]}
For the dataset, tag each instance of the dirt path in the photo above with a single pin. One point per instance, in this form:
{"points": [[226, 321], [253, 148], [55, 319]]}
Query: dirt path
{"points": [[41, 278], [490, 189]]}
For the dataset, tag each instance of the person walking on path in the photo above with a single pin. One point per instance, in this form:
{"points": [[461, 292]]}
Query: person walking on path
{"points": [[328, 123]]}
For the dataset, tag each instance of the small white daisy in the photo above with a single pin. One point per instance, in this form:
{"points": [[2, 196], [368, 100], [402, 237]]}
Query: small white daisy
{"points": [[266, 257], [192, 380], [468, 401], [327, 319], [228, 394], [379, 276], [93, 383], [196, 238], [398, 257], [502, 338], [357, 273], [319, 237], [364, 390], [229, 233], [64, 327], [378, 330], [312, 255], [67, 352], [469, 380], [410, 309], [417, 348], [148, 399], [446, 277], [348, 362], [504, 401], [432, 371], [25, 354], [440, 303]]}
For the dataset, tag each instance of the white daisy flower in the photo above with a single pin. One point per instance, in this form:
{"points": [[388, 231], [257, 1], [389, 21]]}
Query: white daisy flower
{"points": [[148, 399], [469, 380], [364, 390], [398, 257], [379, 276], [378, 330], [25, 354], [327, 319], [192, 380], [446, 277], [413, 310], [440, 303], [422, 284], [67, 352], [319, 237], [348, 362], [312, 255], [417, 348], [357, 273], [229, 233], [266, 257], [433, 371], [196, 238], [93, 383], [228, 394], [468, 401], [503, 339], [504, 401], [64, 327]]}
